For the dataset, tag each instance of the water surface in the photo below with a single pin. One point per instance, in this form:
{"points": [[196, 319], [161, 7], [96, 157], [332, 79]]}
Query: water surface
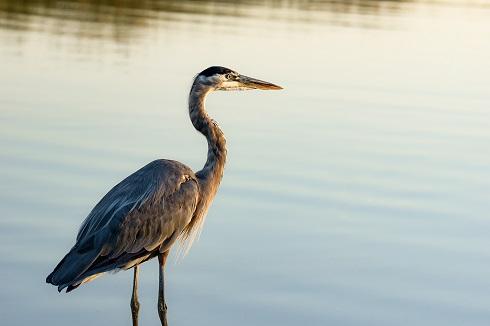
{"points": [[359, 195]]}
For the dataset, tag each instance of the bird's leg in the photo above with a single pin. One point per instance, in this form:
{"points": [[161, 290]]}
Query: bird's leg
{"points": [[135, 305], [162, 306]]}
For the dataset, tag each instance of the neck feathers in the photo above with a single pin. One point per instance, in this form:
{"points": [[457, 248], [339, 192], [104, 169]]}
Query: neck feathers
{"points": [[211, 174], [212, 171]]}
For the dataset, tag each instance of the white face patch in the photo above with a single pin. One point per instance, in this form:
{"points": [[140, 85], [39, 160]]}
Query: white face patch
{"points": [[223, 82], [231, 86], [229, 82]]}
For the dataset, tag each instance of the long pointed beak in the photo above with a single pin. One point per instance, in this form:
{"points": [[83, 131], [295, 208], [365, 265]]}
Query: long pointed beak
{"points": [[250, 82]]}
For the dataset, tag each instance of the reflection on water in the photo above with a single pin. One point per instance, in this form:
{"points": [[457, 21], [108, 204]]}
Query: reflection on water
{"points": [[121, 20], [358, 195]]}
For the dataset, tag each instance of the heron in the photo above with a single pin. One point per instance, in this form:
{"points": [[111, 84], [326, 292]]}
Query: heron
{"points": [[142, 216]]}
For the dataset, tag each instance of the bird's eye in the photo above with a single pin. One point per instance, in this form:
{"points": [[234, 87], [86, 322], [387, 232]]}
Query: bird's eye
{"points": [[229, 76]]}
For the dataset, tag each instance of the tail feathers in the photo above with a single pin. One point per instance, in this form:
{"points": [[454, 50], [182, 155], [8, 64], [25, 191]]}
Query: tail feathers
{"points": [[72, 287], [86, 261], [83, 279], [102, 265], [69, 269], [49, 279]]}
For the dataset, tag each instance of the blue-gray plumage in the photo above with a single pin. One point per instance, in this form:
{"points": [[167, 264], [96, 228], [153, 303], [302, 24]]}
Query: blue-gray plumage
{"points": [[142, 216]]}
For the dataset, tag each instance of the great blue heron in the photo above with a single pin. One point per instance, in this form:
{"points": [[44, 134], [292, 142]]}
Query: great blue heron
{"points": [[143, 215]]}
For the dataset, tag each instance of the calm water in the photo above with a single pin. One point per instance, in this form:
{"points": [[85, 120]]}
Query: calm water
{"points": [[359, 195]]}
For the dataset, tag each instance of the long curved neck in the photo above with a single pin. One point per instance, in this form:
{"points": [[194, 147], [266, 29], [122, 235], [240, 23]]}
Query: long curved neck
{"points": [[211, 174]]}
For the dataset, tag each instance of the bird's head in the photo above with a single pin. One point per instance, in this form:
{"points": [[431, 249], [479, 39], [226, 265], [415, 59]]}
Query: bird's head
{"points": [[224, 79]]}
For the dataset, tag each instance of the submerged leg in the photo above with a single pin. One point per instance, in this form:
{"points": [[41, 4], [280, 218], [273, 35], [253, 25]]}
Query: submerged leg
{"points": [[162, 307], [135, 305]]}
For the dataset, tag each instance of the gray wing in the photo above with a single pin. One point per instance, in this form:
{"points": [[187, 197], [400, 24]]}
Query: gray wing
{"points": [[140, 216]]}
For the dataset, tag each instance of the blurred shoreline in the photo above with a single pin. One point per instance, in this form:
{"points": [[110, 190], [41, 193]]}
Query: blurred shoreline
{"points": [[118, 20]]}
